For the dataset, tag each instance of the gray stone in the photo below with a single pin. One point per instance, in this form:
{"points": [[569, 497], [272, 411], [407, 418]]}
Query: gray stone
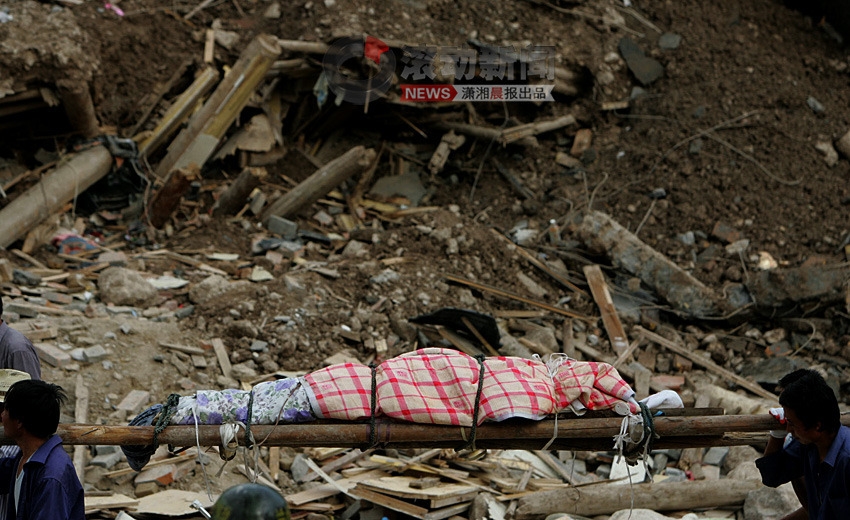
{"points": [[645, 69], [107, 460], [815, 105], [768, 503], [695, 147], [669, 41], [244, 371], [121, 286], [385, 276], [259, 346], [299, 468], [739, 455], [286, 228], [715, 455], [21, 310], [184, 312], [22, 277], [769, 371], [95, 353], [408, 185], [218, 287]]}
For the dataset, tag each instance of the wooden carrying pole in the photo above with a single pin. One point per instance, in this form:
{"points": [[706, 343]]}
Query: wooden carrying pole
{"points": [[56, 189], [200, 138], [695, 430]]}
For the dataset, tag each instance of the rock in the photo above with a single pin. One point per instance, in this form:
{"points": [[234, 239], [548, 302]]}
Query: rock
{"points": [[828, 151], [745, 470], [739, 456], [244, 371], [385, 276], [815, 105], [122, 286], [669, 41], [533, 287], [243, 329], [768, 503], [216, 287], [287, 229], [645, 69], [843, 145], [22, 277]]}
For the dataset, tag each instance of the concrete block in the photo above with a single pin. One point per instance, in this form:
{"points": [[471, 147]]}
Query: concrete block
{"points": [[107, 460], [134, 401], [94, 353], [52, 355]]}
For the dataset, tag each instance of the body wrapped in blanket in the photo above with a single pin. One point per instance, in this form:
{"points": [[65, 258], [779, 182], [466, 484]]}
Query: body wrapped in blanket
{"points": [[431, 386]]}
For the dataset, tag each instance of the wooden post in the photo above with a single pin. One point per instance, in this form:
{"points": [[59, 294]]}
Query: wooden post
{"points": [[200, 138], [79, 107], [320, 183], [602, 234], [604, 500], [167, 198], [232, 200], [55, 190]]}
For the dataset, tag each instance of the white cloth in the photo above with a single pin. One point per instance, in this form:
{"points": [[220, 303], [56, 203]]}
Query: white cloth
{"points": [[663, 399]]}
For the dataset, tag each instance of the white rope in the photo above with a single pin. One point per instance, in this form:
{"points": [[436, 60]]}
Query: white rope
{"points": [[198, 446]]}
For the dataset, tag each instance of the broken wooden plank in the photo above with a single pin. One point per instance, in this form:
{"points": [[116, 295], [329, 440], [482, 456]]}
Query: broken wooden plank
{"points": [[439, 495], [686, 294], [320, 183], [196, 143], [707, 363], [223, 357], [52, 192], [610, 319]]}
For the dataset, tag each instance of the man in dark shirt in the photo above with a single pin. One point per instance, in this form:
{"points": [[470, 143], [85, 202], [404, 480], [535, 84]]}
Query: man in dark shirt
{"points": [[41, 480], [16, 351], [819, 450]]}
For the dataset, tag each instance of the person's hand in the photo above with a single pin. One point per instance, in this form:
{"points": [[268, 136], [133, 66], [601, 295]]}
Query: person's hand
{"points": [[779, 415]]}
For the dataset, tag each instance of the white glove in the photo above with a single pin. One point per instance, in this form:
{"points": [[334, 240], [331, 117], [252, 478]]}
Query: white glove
{"points": [[779, 415]]}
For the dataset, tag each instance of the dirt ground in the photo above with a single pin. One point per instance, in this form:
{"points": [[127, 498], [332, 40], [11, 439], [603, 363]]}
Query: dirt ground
{"points": [[747, 71]]}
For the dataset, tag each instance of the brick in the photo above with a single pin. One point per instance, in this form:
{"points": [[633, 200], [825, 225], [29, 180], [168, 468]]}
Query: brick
{"points": [[52, 355], [24, 311], [134, 401], [107, 460]]}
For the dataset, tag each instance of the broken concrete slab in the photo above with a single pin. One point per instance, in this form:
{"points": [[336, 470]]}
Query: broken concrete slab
{"points": [[781, 287]]}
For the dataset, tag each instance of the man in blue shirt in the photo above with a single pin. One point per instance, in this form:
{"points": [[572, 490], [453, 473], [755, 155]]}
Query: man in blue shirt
{"points": [[41, 479], [819, 450]]}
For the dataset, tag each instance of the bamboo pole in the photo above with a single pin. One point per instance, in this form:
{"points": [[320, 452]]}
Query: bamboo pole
{"points": [[200, 138], [56, 189], [179, 111], [79, 107], [700, 430]]}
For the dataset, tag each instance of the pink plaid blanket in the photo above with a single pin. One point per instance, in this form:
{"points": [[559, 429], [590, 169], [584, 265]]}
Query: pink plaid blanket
{"points": [[439, 386]]}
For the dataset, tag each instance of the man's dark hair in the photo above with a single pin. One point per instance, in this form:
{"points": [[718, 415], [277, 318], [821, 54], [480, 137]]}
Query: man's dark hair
{"points": [[790, 377], [36, 404], [813, 401]]}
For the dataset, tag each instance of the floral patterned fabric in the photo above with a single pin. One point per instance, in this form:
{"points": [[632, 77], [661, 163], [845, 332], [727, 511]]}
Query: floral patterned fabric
{"points": [[280, 401]]}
